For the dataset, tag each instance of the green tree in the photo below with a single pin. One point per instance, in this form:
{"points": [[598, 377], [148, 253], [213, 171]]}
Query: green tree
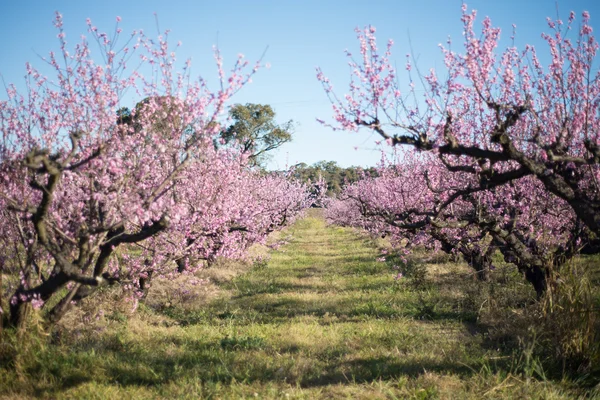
{"points": [[255, 131], [335, 176]]}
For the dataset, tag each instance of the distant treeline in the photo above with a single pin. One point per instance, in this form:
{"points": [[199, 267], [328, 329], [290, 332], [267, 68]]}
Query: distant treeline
{"points": [[335, 176]]}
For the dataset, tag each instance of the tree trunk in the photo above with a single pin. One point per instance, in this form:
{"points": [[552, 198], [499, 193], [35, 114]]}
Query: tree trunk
{"points": [[64, 305], [45, 291], [19, 314], [145, 284], [538, 278], [20, 311], [2, 308], [181, 264], [481, 262]]}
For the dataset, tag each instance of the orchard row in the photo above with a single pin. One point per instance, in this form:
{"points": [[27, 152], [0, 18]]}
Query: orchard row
{"points": [[93, 193], [500, 153]]}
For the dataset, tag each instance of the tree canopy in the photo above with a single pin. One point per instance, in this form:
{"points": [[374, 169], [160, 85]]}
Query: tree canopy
{"points": [[334, 176], [255, 131], [93, 193], [503, 150]]}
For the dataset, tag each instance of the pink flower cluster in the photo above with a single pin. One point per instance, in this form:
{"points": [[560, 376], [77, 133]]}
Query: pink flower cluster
{"points": [[92, 191], [513, 146]]}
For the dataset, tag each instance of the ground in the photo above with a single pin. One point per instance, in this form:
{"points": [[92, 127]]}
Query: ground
{"points": [[323, 318]]}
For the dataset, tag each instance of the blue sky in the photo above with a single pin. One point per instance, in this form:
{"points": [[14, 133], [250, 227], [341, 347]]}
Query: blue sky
{"points": [[300, 35]]}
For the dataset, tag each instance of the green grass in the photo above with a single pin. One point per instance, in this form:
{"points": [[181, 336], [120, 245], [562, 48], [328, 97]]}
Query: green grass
{"points": [[323, 319]]}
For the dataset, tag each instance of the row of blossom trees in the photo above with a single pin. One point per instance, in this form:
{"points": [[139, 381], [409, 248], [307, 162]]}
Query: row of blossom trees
{"points": [[93, 193], [504, 150]]}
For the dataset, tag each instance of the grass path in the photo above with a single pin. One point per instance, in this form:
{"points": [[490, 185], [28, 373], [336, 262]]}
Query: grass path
{"points": [[323, 319]]}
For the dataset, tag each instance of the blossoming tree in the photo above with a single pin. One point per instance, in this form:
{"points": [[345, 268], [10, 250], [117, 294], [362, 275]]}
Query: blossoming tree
{"points": [[415, 200], [497, 116], [93, 193], [516, 143]]}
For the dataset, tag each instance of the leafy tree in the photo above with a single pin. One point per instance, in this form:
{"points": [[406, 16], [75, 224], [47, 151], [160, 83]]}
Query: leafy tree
{"points": [[255, 131], [334, 176]]}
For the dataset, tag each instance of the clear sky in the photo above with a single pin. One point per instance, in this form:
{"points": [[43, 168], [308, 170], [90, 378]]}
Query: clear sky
{"points": [[300, 35]]}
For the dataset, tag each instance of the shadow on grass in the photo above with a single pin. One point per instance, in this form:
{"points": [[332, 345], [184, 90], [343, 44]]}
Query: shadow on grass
{"points": [[66, 383], [367, 370], [211, 363], [275, 310]]}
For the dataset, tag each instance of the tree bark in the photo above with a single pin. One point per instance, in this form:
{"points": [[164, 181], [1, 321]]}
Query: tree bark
{"points": [[1, 304], [64, 305], [145, 284], [20, 315], [481, 264], [537, 276]]}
